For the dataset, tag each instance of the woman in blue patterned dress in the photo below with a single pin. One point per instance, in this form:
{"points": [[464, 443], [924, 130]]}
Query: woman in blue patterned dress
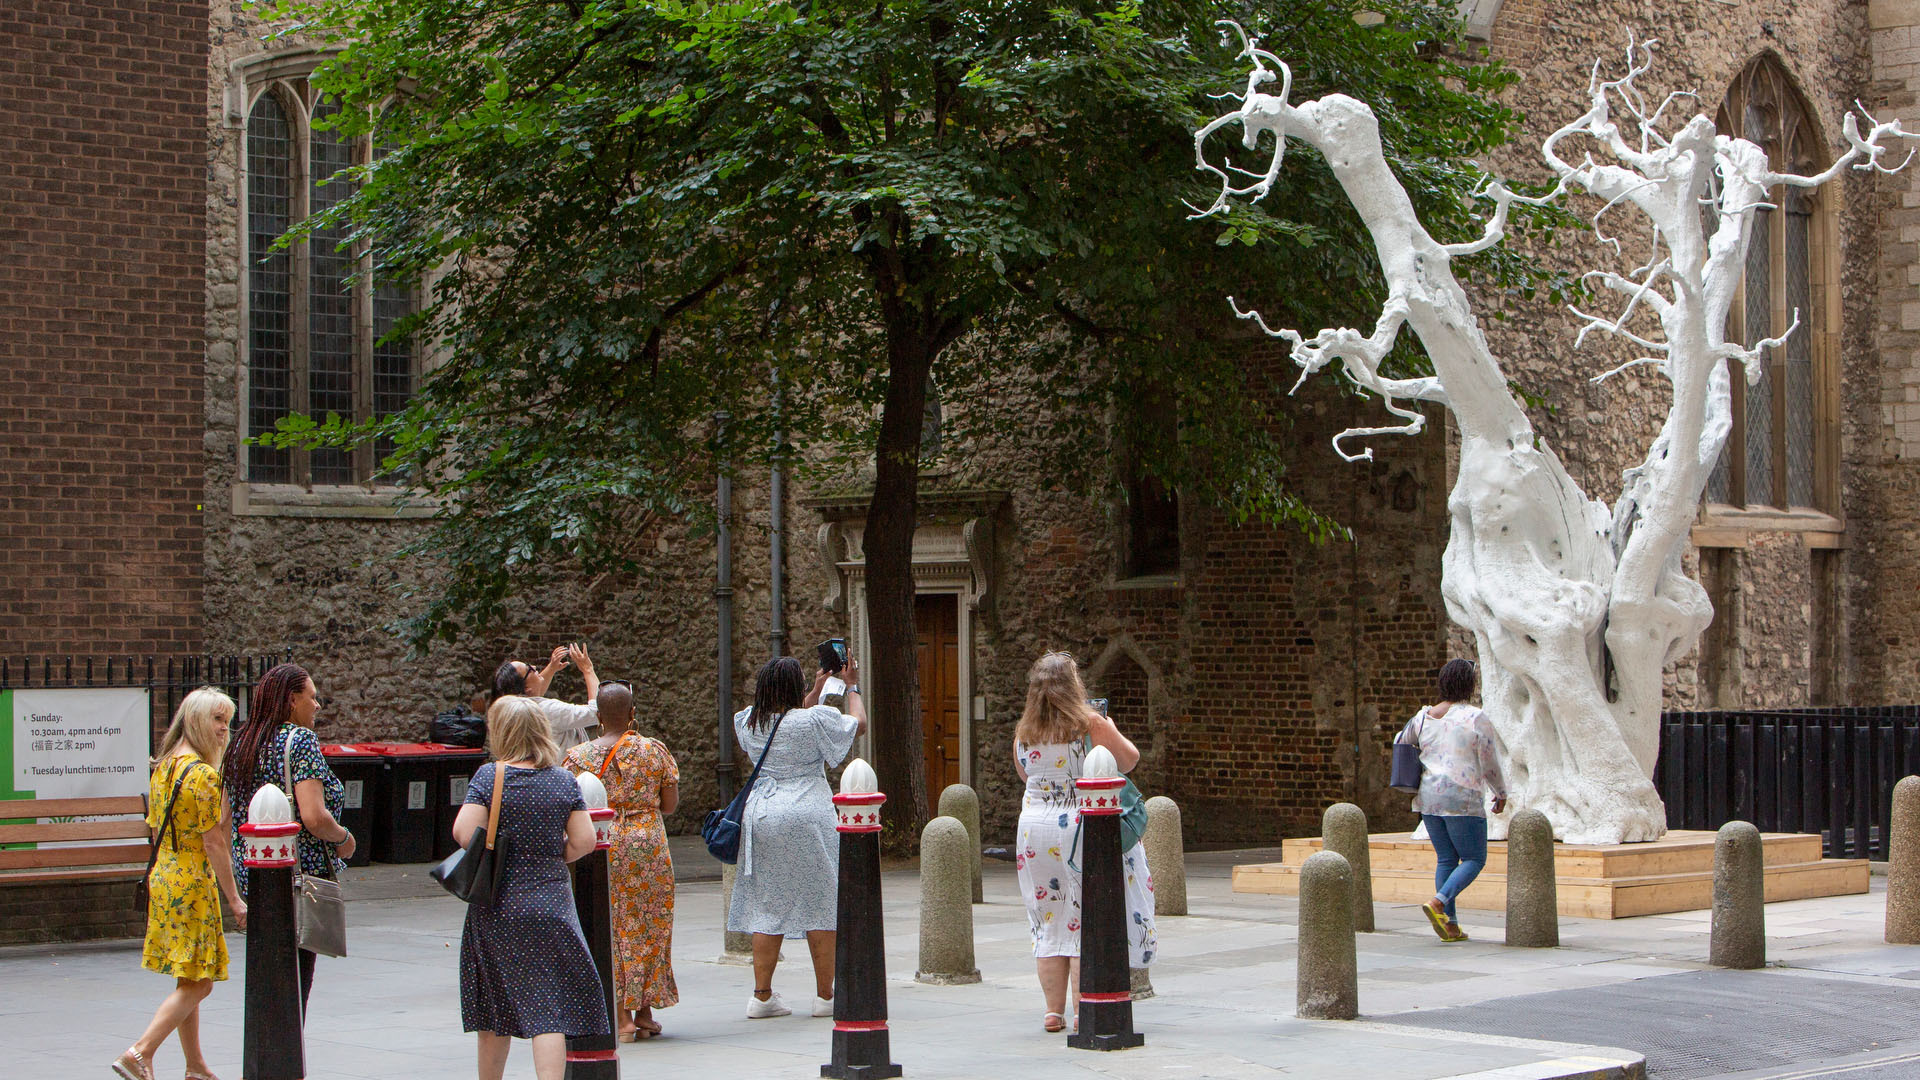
{"points": [[277, 738], [788, 879], [525, 970], [1050, 746], [1459, 767]]}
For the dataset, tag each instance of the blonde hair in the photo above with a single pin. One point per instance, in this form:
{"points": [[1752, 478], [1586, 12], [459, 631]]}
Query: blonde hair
{"points": [[200, 722], [517, 731], [1057, 709]]}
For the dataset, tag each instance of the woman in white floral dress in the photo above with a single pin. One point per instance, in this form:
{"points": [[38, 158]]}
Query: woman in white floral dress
{"points": [[1050, 745]]}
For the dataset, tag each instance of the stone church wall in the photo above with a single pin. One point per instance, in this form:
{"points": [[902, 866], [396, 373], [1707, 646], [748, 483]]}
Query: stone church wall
{"points": [[1598, 430]]}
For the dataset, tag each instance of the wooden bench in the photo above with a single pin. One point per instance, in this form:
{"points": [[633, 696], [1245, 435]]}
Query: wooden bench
{"points": [[91, 862]]}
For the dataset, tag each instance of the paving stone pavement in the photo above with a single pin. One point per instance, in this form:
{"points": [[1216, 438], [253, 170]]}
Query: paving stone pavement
{"points": [[1223, 1008]]}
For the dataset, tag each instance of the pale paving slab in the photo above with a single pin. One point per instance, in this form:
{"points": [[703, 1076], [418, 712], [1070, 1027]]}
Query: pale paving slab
{"points": [[1223, 1007]]}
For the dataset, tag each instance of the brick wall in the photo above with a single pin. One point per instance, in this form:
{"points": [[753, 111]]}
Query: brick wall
{"points": [[79, 911], [102, 293]]}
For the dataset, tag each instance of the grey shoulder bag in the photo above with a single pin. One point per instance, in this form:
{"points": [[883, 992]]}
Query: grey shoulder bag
{"points": [[319, 907]]}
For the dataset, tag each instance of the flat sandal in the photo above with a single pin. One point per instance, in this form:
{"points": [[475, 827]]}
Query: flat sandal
{"points": [[131, 1066]]}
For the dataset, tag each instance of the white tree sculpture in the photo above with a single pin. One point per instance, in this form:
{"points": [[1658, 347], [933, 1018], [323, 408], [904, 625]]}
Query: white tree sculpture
{"points": [[1576, 607]]}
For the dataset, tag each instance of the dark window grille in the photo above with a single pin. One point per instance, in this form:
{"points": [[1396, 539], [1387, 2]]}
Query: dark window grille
{"points": [[1759, 396], [392, 355], [319, 316], [1775, 424], [1799, 350], [270, 172], [329, 302]]}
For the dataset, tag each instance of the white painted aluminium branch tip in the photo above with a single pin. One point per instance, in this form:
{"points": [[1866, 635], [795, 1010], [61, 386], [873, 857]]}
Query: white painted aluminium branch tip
{"points": [[858, 778], [593, 791], [269, 807], [1100, 764]]}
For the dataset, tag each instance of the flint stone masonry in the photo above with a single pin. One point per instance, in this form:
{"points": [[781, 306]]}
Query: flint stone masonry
{"points": [[1328, 981], [1166, 856], [1343, 830], [1813, 626], [959, 802], [946, 905], [1533, 912], [1903, 869], [1739, 930]]}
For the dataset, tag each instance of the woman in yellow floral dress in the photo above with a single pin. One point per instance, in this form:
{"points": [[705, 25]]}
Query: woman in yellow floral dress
{"points": [[191, 871], [643, 783]]}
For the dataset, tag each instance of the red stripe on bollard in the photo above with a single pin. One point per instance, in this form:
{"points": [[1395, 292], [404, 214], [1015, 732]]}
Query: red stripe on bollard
{"points": [[592, 1055], [1105, 999], [860, 1025]]}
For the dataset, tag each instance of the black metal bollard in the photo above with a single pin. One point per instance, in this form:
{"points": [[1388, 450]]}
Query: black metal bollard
{"points": [[596, 1057], [1106, 998], [272, 1047], [860, 1042]]}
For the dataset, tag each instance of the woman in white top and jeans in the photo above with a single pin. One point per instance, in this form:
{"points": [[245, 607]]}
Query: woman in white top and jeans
{"points": [[1459, 766]]}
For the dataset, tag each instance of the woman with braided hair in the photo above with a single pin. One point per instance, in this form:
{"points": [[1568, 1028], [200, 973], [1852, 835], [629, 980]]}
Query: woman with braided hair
{"points": [[278, 740]]}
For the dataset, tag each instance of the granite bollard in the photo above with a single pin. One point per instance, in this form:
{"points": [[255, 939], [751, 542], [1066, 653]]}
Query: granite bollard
{"points": [[1739, 937], [736, 947], [1533, 903], [1140, 983], [1327, 979], [1903, 865], [946, 904], [959, 802], [1166, 856], [1343, 830]]}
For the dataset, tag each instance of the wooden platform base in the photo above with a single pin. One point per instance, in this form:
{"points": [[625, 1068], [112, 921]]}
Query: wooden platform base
{"points": [[1617, 881]]}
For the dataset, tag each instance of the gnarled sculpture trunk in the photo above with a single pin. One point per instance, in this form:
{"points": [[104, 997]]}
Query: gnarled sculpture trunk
{"points": [[1576, 607]]}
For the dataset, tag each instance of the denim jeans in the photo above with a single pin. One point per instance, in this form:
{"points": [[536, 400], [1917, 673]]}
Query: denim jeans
{"points": [[1460, 843]]}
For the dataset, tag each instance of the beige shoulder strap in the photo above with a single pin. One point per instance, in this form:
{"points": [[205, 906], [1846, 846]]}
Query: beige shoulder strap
{"points": [[493, 811]]}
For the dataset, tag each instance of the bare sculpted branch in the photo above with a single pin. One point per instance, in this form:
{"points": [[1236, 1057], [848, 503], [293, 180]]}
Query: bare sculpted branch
{"points": [[1576, 606]]}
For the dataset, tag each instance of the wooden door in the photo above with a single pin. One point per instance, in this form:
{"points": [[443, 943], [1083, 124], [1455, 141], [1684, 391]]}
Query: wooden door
{"points": [[937, 624]]}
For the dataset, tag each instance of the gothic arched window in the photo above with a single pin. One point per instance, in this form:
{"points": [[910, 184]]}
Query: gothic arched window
{"points": [[1782, 452], [316, 345]]}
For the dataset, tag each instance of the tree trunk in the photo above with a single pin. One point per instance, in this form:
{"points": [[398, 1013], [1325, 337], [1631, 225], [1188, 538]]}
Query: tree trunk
{"points": [[894, 704]]}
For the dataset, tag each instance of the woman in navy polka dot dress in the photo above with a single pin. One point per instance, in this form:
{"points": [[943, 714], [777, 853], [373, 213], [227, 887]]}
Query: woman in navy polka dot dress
{"points": [[525, 972]]}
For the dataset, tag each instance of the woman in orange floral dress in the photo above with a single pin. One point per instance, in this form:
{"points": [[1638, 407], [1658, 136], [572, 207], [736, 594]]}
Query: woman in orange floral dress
{"points": [[643, 783]]}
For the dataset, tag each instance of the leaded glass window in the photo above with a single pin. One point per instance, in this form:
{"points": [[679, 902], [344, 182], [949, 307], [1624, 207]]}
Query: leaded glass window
{"points": [[320, 321], [1777, 449]]}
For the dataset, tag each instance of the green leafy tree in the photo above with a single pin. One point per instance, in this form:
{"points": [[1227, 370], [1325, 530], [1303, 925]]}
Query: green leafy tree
{"points": [[636, 214]]}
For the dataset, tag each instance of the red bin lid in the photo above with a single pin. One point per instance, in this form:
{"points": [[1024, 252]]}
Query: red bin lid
{"points": [[398, 749], [456, 751], [347, 750]]}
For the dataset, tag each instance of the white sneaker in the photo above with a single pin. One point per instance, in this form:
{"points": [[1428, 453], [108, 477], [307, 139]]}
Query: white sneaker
{"points": [[773, 1006], [822, 1006]]}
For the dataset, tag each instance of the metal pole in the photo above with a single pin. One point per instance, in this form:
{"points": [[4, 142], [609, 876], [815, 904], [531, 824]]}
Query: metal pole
{"points": [[723, 597], [777, 574]]}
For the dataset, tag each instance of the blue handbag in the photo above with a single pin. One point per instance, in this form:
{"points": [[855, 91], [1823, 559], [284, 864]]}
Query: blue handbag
{"points": [[721, 829], [1405, 775]]}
